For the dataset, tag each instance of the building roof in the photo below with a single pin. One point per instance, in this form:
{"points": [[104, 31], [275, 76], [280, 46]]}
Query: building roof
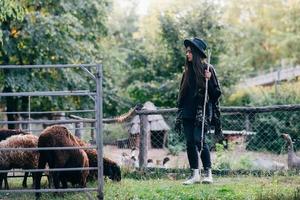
{"points": [[156, 122], [234, 132], [272, 77]]}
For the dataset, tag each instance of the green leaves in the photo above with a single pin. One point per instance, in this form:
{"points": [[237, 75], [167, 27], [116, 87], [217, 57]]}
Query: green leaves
{"points": [[50, 32], [11, 9]]}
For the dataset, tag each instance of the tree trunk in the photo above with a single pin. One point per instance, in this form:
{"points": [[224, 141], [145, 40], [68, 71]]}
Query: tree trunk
{"points": [[24, 107], [11, 102]]}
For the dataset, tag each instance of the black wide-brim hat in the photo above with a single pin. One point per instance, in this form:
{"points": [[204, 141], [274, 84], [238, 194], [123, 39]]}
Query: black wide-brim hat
{"points": [[198, 44]]}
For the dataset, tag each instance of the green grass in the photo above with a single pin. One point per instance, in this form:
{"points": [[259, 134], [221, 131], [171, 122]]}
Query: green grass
{"points": [[227, 188]]}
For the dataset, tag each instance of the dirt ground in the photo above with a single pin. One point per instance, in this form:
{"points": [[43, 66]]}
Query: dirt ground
{"points": [[258, 160], [157, 155]]}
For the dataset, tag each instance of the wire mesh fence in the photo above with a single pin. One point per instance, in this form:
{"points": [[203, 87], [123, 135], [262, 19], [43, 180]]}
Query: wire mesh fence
{"points": [[252, 139]]}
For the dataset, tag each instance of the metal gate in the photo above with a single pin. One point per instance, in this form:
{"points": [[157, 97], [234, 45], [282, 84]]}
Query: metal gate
{"points": [[94, 71]]}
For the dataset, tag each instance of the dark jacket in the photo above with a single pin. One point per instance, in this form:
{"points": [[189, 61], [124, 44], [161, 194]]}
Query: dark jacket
{"points": [[189, 106]]}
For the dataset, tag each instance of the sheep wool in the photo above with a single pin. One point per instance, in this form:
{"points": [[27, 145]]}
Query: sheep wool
{"points": [[110, 168], [5, 133], [19, 159], [60, 136]]}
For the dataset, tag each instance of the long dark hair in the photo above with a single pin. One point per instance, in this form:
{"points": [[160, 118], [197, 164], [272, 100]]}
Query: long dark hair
{"points": [[197, 66]]}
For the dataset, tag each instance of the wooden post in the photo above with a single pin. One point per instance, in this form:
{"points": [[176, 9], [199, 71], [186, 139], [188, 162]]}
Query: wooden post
{"points": [[99, 130], [78, 129], [93, 141], [143, 142], [165, 139], [247, 122]]}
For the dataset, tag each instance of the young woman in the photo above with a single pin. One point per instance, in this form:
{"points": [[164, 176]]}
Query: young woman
{"points": [[190, 106]]}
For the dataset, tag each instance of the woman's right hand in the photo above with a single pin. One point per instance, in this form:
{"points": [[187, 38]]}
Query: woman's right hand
{"points": [[207, 74]]}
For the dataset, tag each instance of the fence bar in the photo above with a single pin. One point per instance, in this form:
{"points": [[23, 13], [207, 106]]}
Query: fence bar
{"points": [[160, 111], [49, 112], [77, 117], [47, 148], [99, 130], [110, 121], [20, 176], [261, 109], [88, 72], [71, 129], [69, 121], [51, 190], [45, 66], [79, 129], [50, 170], [47, 93]]}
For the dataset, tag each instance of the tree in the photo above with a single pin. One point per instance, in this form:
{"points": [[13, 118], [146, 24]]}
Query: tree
{"points": [[44, 32], [159, 60], [261, 33]]}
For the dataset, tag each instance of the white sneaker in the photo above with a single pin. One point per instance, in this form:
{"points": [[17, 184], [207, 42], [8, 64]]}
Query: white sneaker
{"points": [[195, 178], [208, 179]]}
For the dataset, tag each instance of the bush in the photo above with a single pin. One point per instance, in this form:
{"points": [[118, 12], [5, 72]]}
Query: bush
{"points": [[229, 160], [267, 126], [286, 93]]}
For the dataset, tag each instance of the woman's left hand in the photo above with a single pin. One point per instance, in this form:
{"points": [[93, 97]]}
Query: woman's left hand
{"points": [[207, 74]]}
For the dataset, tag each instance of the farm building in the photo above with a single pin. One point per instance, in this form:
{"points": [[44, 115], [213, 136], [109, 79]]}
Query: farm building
{"points": [[237, 137], [157, 133]]}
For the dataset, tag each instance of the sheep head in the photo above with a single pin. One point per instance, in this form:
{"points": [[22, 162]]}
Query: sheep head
{"points": [[111, 169]]}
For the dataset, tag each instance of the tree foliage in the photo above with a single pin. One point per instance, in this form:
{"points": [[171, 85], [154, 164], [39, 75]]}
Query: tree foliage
{"points": [[159, 62], [143, 56], [49, 32]]}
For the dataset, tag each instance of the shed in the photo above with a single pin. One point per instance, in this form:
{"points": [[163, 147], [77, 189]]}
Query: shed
{"points": [[157, 133], [238, 137]]}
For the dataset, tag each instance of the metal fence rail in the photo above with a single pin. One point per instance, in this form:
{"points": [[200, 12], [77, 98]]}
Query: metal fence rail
{"points": [[48, 93], [96, 123], [47, 66], [231, 109], [70, 121], [71, 129], [51, 190], [51, 170], [47, 148], [49, 112]]}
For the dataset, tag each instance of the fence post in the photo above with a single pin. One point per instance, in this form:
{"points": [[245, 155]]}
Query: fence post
{"points": [[143, 141], [93, 141], [99, 130], [78, 129], [247, 122]]}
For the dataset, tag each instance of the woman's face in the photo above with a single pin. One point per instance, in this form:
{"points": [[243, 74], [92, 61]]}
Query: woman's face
{"points": [[189, 54]]}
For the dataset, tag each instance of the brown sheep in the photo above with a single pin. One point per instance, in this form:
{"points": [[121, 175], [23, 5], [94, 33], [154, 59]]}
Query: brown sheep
{"points": [[18, 159], [60, 136], [110, 168], [5, 133]]}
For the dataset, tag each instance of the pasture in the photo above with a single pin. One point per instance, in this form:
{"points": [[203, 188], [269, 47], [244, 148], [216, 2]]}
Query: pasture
{"points": [[227, 188]]}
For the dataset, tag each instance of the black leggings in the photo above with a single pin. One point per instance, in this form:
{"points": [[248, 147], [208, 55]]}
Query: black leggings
{"points": [[193, 144]]}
